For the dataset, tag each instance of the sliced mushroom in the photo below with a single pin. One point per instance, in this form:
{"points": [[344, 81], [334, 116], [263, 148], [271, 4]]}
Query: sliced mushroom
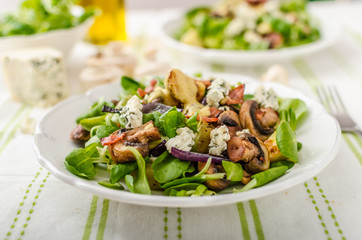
{"points": [[138, 138], [246, 177], [120, 155], [261, 162], [255, 2], [249, 114], [268, 118], [218, 184], [275, 40], [241, 149], [230, 119], [79, 134], [248, 149]]}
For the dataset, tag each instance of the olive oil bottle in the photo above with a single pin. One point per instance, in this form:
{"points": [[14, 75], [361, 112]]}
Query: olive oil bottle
{"points": [[110, 25]]}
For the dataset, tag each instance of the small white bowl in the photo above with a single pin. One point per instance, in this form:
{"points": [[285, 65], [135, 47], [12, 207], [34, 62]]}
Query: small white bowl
{"points": [[60, 39], [330, 31]]}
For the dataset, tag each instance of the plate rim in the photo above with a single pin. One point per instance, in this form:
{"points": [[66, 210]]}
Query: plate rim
{"points": [[166, 201]]}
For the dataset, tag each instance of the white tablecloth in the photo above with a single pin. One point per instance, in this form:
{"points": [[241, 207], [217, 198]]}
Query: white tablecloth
{"points": [[36, 205]]}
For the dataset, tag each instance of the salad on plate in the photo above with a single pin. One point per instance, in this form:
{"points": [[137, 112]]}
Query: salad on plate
{"points": [[187, 136], [249, 25]]}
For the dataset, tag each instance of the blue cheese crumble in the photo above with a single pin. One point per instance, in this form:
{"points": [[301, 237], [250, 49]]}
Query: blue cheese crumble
{"points": [[219, 137], [132, 113], [184, 140], [239, 133], [217, 91], [267, 98]]}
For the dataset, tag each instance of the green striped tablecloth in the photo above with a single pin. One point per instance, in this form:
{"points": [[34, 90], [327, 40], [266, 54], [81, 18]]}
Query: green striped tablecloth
{"points": [[35, 205]]}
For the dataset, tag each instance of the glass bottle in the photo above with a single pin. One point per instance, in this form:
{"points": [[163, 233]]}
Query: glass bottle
{"points": [[110, 25]]}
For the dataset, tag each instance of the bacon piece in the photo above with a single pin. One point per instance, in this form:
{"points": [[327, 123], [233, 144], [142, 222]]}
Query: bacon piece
{"points": [[113, 138], [141, 92], [209, 119], [215, 112], [236, 95], [148, 89]]}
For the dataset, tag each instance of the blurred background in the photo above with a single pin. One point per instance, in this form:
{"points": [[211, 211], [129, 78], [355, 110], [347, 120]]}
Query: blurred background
{"points": [[134, 4]]}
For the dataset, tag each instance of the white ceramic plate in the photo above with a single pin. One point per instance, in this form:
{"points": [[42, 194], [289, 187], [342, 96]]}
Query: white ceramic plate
{"points": [[320, 135], [330, 30]]}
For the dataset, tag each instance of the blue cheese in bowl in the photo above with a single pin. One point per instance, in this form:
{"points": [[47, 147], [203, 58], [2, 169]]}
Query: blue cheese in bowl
{"points": [[36, 76]]}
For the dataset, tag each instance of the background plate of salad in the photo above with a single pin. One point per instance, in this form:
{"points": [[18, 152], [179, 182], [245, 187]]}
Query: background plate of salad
{"points": [[97, 167], [246, 32]]}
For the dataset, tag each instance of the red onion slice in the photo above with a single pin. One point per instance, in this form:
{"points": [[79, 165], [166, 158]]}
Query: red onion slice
{"points": [[195, 157]]}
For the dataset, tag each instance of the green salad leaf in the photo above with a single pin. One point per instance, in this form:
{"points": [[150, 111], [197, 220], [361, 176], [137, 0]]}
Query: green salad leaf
{"points": [[140, 183], [92, 140], [197, 178], [199, 191], [234, 171], [80, 161], [166, 167], [89, 123], [130, 85], [130, 183], [192, 122], [187, 186], [263, 178], [119, 171], [94, 111], [286, 141], [154, 116], [248, 96], [286, 163], [289, 116], [105, 130], [170, 121], [298, 106], [293, 6], [110, 185]]}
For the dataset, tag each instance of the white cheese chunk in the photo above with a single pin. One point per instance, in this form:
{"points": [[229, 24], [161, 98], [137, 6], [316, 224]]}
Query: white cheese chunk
{"points": [[235, 27], [239, 133], [267, 98], [132, 113], [252, 37], [184, 140], [224, 108], [219, 137], [218, 90], [248, 13], [36, 76]]}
